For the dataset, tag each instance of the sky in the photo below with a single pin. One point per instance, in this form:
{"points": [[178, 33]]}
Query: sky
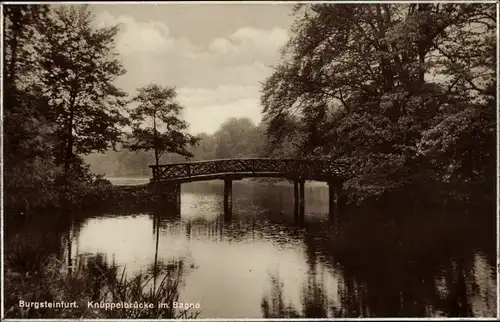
{"points": [[216, 55]]}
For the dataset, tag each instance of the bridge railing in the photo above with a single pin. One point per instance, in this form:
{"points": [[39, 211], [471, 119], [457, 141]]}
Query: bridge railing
{"points": [[286, 167]]}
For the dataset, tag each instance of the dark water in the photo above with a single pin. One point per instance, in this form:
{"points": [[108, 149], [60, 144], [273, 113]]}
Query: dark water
{"points": [[263, 264]]}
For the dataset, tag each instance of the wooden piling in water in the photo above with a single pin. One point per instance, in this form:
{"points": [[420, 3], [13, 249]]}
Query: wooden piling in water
{"points": [[333, 196], [296, 198], [299, 200], [302, 202], [178, 199], [228, 198]]}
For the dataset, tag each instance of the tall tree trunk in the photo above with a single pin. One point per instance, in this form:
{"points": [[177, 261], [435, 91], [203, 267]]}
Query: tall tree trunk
{"points": [[13, 43], [11, 96], [155, 140], [68, 158], [423, 45], [157, 157]]}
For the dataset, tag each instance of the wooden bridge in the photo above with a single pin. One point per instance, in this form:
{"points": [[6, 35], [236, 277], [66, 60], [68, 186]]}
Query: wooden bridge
{"points": [[228, 170]]}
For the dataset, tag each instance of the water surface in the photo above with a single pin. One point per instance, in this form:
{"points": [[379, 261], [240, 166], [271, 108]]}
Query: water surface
{"points": [[262, 263]]}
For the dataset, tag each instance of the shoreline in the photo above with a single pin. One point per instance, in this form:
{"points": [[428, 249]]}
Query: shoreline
{"points": [[137, 181]]}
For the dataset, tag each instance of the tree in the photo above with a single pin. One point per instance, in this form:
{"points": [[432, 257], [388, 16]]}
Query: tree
{"points": [[277, 144], [79, 67], [29, 169], [157, 125], [238, 138], [373, 85], [206, 147]]}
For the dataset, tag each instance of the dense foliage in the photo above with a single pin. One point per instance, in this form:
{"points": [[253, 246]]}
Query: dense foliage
{"points": [[404, 93], [29, 168]]}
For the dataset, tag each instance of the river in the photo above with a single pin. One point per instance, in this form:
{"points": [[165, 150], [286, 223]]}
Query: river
{"points": [[262, 263]]}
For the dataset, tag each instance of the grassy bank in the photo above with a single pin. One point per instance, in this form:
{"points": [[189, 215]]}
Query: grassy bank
{"points": [[100, 196]]}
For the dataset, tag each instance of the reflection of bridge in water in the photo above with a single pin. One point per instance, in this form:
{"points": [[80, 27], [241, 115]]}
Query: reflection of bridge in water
{"points": [[455, 280], [171, 176]]}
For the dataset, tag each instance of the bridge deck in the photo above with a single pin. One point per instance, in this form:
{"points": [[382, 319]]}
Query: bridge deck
{"points": [[319, 170]]}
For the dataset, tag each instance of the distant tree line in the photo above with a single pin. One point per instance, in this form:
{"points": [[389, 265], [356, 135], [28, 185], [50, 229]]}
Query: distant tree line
{"points": [[235, 138]]}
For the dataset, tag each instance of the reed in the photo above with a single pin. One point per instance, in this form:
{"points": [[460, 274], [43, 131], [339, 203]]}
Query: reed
{"points": [[32, 277]]}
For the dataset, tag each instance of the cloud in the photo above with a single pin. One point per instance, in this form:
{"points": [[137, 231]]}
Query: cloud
{"points": [[144, 38], [206, 109], [248, 43], [153, 37], [215, 82], [223, 94], [209, 118]]}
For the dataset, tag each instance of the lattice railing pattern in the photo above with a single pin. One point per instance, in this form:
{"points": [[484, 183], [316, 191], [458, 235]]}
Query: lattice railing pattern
{"points": [[287, 167]]}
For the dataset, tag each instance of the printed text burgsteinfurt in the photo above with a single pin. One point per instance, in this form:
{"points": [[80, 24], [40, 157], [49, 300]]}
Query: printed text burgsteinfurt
{"points": [[48, 305]]}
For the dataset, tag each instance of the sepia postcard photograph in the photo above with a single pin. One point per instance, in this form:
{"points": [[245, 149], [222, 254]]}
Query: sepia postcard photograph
{"points": [[250, 160]]}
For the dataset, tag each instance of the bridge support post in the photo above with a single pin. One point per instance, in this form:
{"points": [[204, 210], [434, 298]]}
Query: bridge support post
{"points": [[302, 202], [296, 198], [178, 199], [228, 198], [333, 196], [299, 201]]}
